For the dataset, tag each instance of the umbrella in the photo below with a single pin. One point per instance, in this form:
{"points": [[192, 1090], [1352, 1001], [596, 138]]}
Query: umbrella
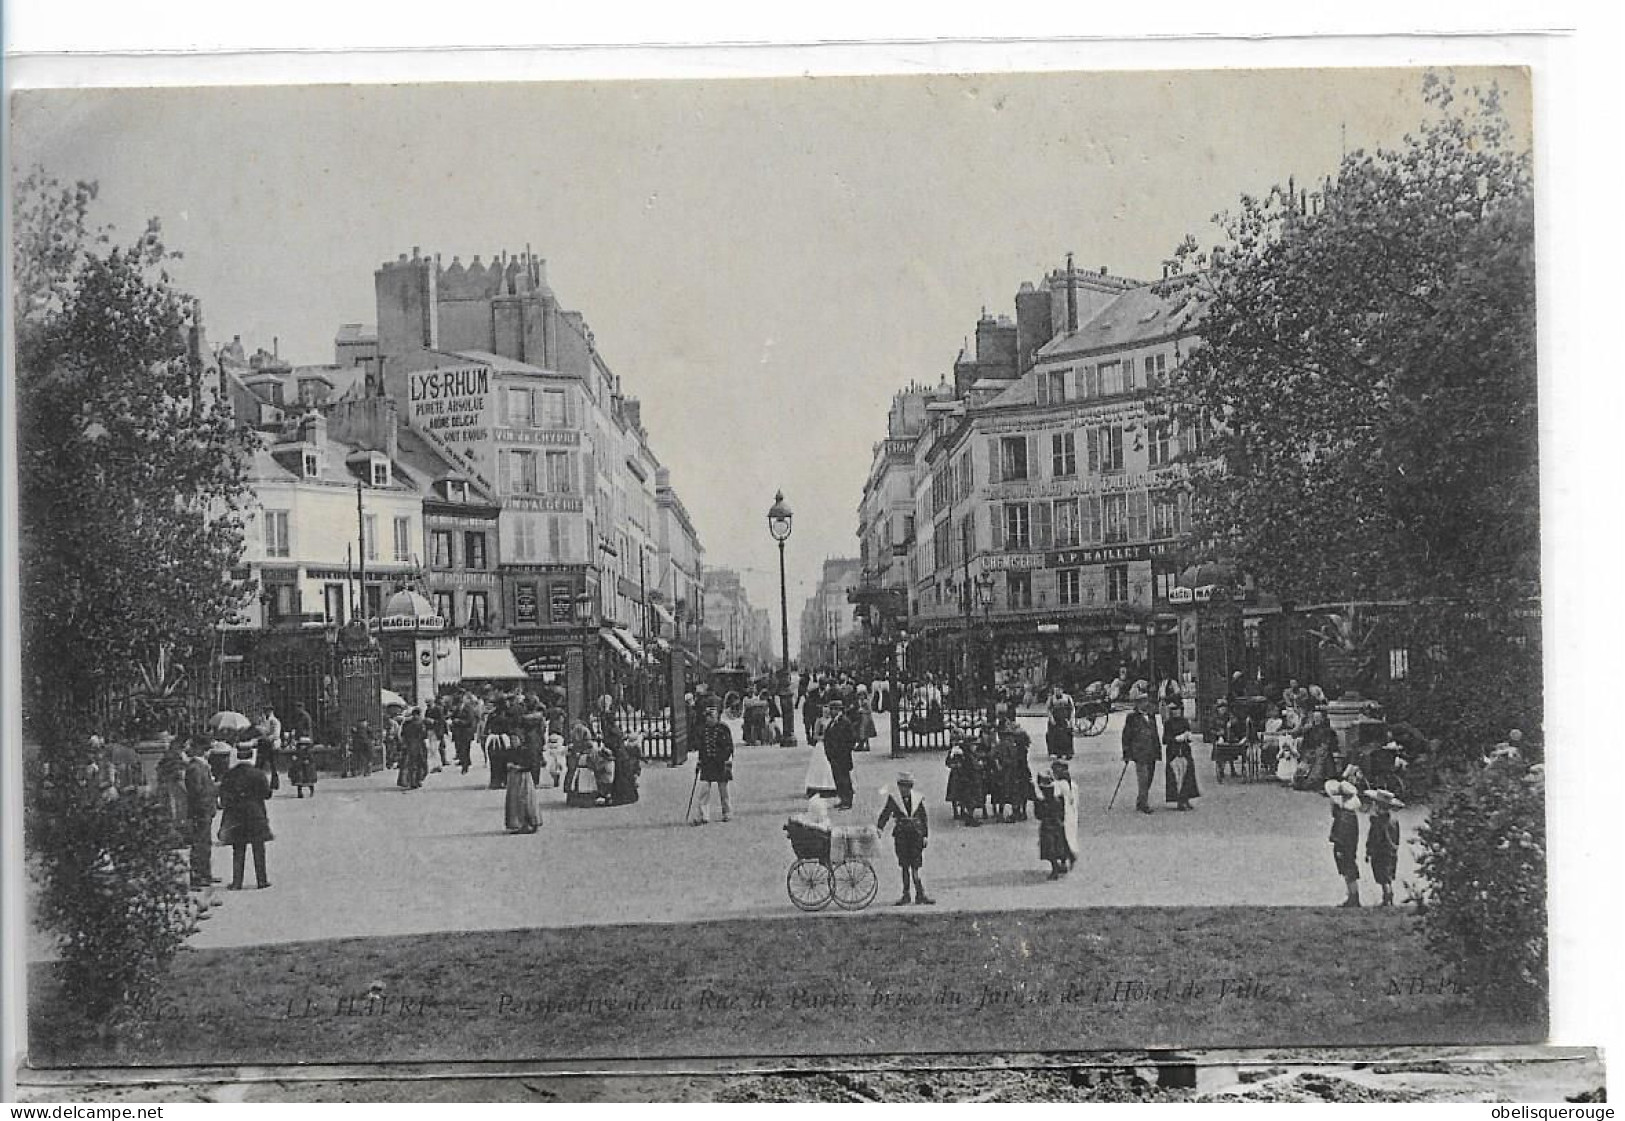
{"points": [[392, 699], [228, 723]]}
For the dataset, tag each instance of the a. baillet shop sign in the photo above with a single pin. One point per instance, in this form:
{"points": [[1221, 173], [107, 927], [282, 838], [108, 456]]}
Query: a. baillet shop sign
{"points": [[451, 403]]}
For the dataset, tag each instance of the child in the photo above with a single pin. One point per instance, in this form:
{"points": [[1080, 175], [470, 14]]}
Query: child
{"points": [[1051, 830], [1382, 842], [909, 835], [1345, 836], [303, 771]]}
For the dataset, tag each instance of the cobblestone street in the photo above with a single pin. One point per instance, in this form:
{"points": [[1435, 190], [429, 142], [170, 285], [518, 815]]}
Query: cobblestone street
{"points": [[365, 858]]}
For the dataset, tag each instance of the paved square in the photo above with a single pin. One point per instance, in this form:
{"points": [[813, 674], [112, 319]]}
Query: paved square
{"points": [[365, 858]]}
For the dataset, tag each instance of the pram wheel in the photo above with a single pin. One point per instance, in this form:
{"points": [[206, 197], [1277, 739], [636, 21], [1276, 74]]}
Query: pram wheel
{"points": [[811, 885], [855, 884]]}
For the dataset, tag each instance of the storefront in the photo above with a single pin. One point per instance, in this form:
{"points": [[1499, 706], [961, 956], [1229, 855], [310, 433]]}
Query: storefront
{"points": [[418, 655]]}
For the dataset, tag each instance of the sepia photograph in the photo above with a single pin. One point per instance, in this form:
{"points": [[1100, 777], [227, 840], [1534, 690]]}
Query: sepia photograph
{"points": [[750, 576]]}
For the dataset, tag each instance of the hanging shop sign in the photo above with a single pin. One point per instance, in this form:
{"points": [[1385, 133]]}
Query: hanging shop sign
{"points": [[411, 623], [1180, 596]]}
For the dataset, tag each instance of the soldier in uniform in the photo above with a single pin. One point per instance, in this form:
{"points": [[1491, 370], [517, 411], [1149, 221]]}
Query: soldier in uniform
{"points": [[911, 828]]}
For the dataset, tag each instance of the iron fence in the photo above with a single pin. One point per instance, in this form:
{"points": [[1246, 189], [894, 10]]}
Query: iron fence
{"points": [[653, 727], [919, 729]]}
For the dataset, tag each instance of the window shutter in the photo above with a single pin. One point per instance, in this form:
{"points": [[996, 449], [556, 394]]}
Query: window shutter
{"points": [[1043, 526], [1128, 374], [1035, 460], [1043, 388], [1137, 529], [569, 408], [1092, 437], [504, 473], [1089, 507], [1091, 381], [996, 527], [995, 469], [1184, 439]]}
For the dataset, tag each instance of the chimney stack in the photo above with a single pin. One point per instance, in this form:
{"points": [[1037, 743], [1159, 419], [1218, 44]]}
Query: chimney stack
{"points": [[1071, 296]]}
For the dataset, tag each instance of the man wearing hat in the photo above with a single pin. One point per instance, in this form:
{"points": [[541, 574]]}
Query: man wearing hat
{"points": [[1345, 835], [1382, 842], [906, 809], [244, 824], [1142, 746], [839, 739]]}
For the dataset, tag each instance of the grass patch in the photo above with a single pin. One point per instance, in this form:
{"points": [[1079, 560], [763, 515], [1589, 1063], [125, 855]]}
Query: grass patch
{"points": [[887, 982]]}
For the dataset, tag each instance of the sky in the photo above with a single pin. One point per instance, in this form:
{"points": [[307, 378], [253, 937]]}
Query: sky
{"points": [[763, 262]]}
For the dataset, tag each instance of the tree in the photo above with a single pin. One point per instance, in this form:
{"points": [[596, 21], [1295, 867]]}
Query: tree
{"points": [[128, 482], [1370, 363]]}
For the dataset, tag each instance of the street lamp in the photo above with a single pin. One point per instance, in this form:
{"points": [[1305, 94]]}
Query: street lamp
{"points": [[983, 586], [585, 610], [779, 517]]}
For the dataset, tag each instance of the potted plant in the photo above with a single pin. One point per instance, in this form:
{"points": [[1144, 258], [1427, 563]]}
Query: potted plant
{"points": [[1347, 661]]}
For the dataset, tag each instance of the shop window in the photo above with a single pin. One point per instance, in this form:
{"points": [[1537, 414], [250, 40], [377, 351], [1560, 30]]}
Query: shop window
{"points": [[1117, 583]]}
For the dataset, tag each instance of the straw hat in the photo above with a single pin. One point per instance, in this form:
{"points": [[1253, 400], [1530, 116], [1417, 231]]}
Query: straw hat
{"points": [[904, 778], [1385, 799]]}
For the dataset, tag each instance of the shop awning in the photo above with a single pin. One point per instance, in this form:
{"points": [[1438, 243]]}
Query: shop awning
{"points": [[612, 639], [491, 664], [660, 610], [630, 641]]}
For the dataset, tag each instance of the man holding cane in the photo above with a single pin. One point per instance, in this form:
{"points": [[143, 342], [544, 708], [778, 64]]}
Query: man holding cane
{"points": [[1142, 746]]}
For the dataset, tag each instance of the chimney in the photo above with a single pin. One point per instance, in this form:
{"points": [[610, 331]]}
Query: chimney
{"points": [[1071, 296], [275, 348]]}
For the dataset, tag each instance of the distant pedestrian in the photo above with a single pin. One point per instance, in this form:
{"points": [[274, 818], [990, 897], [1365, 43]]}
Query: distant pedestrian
{"points": [[464, 722], [244, 823], [1141, 747], [911, 829], [362, 745], [414, 762], [715, 765], [1058, 736], [1067, 792], [1382, 842], [437, 725], [302, 771], [1345, 836], [520, 812]]}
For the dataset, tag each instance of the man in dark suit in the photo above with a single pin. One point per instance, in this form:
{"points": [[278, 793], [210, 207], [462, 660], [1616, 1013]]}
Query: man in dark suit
{"points": [[202, 799], [839, 739], [1142, 746]]}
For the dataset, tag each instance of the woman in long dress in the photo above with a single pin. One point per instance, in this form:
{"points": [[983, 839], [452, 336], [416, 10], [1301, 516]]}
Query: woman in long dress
{"points": [[1068, 795], [520, 813], [496, 748], [1050, 811], [820, 780], [1179, 772]]}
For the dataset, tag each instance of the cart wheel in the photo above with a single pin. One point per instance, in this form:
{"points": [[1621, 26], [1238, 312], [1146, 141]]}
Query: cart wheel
{"points": [[810, 884], [1096, 723], [855, 884]]}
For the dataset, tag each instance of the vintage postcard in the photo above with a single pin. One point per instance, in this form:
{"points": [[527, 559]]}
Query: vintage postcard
{"points": [[756, 571]]}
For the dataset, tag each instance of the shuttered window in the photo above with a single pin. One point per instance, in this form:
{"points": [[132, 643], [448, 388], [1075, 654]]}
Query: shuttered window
{"points": [[1137, 515]]}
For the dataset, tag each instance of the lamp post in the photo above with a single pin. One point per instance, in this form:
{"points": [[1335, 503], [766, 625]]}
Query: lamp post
{"points": [[779, 517]]}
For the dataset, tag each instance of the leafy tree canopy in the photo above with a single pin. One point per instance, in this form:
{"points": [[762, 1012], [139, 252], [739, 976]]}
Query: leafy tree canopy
{"points": [[127, 475], [1369, 361]]}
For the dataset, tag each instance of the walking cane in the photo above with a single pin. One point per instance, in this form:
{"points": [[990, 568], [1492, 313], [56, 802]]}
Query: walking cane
{"points": [[688, 814], [1120, 777]]}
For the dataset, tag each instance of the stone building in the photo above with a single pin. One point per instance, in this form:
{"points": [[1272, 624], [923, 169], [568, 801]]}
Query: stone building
{"points": [[830, 634]]}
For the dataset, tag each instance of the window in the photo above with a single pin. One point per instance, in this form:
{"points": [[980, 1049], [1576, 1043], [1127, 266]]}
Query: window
{"points": [[445, 606], [281, 601], [1013, 458], [524, 538], [1114, 518], [1160, 443], [521, 408], [380, 472], [1017, 529], [555, 413], [557, 538], [1399, 664], [369, 533], [373, 597], [1018, 589], [479, 609], [1111, 378], [1111, 448], [333, 604], [1128, 375], [1117, 583], [1066, 523], [312, 465], [1091, 381], [403, 540], [1156, 370], [1164, 515], [558, 473], [1138, 529], [473, 552], [276, 534], [1052, 387], [1163, 581], [522, 473], [1063, 451], [440, 548], [1089, 519], [1069, 587]]}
